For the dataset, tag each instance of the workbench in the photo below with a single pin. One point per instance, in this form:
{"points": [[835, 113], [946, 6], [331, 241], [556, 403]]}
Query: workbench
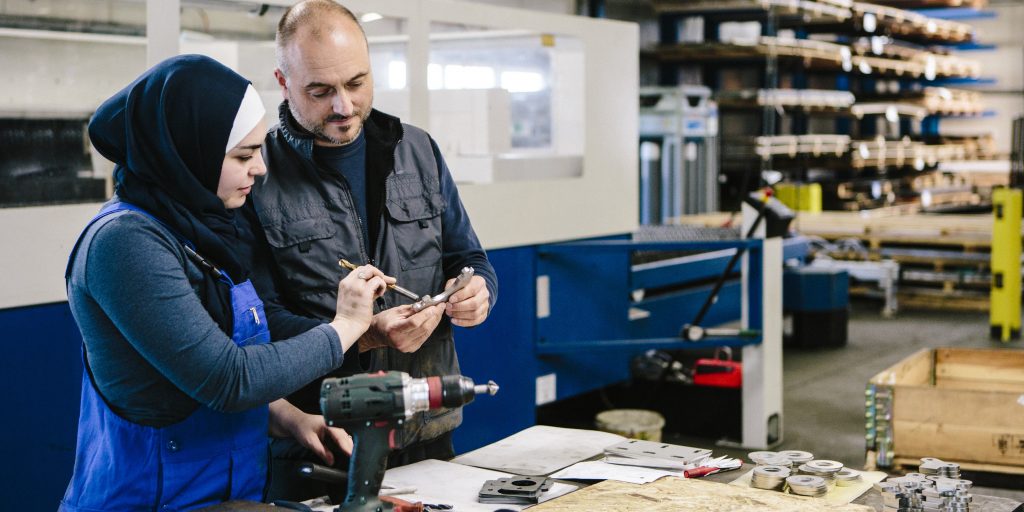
{"points": [[712, 493], [871, 499]]}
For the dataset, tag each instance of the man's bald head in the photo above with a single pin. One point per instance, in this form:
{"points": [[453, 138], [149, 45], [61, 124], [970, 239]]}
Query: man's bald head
{"points": [[313, 18]]}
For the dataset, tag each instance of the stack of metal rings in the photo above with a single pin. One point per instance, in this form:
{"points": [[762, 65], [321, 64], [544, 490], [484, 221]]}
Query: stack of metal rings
{"points": [[765, 458], [797, 456], [769, 459], [807, 485], [826, 469], [847, 477], [771, 478]]}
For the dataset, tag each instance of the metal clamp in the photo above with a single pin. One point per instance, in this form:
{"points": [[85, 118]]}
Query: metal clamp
{"points": [[460, 282]]}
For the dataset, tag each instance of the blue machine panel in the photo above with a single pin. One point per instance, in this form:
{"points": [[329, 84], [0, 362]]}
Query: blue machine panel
{"points": [[41, 378], [502, 349], [588, 295]]}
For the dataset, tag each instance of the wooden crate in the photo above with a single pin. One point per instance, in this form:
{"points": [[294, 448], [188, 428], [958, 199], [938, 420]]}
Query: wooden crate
{"points": [[958, 405]]}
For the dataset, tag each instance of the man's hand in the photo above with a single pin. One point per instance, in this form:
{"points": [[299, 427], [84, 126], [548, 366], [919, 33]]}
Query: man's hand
{"points": [[401, 328], [470, 305]]}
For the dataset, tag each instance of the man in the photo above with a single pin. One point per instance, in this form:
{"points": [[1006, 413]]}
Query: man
{"points": [[347, 181]]}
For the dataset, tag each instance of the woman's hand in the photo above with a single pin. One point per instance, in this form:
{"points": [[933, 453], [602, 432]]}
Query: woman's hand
{"points": [[312, 432], [309, 430], [356, 293]]}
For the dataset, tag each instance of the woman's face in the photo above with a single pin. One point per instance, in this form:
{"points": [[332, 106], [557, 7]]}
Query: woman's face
{"points": [[242, 164]]}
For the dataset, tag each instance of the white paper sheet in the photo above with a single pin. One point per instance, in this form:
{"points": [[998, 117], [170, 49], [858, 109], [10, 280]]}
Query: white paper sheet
{"points": [[540, 450], [437, 482], [600, 470]]}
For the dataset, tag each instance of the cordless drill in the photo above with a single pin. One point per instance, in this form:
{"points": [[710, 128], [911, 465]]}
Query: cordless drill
{"points": [[371, 407]]}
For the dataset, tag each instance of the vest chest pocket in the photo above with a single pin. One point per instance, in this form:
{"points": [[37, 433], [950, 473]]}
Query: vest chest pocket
{"points": [[415, 229], [303, 251]]}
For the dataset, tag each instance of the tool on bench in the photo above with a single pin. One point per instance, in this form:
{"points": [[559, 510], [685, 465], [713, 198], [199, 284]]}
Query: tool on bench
{"points": [[426, 301], [711, 466], [372, 408]]}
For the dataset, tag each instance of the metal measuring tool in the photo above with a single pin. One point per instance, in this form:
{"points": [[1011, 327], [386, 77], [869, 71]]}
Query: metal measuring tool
{"points": [[426, 301]]}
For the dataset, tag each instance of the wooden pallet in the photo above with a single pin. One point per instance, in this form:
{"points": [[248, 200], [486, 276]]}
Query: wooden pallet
{"points": [[903, 24], [909, 464], [895, 226], [937, 100], [917, 4], [912, 300]]}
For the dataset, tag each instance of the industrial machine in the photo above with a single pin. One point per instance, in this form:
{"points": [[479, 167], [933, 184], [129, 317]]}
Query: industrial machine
{"points": [[678, 153], [371, 407]]}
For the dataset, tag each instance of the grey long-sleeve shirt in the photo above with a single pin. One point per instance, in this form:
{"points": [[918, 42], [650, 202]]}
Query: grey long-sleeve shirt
{"points": [[154, 351]]}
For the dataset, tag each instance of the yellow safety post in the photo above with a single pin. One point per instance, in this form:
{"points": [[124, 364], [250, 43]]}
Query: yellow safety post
{"points": [[1004, 308], [800, 197]]}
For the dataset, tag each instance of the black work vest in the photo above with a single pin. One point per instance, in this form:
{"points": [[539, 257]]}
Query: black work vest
{"points": [[310, 222]]}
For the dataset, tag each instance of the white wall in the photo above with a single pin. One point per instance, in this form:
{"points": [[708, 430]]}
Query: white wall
{"points": [[62, 76]]}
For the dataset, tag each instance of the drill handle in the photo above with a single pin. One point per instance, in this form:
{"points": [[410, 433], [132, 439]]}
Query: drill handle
{"points": [[372, 445]]}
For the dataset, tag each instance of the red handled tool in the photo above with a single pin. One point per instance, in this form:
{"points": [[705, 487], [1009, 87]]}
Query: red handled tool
{"points": [[716, 465]]}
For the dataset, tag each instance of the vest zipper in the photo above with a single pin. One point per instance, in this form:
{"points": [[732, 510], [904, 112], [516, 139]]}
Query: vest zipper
{"points": [[363, 251], [381, 302]]}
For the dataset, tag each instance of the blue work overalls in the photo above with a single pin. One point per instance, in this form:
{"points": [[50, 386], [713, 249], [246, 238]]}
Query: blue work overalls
{"points": [[207, 458]]}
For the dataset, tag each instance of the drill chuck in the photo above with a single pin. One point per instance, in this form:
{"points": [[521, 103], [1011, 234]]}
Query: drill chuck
{"points": [[449, 391]]}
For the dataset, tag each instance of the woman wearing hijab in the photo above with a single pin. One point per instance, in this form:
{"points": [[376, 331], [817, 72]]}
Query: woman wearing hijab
{"points": [[178, 368]]}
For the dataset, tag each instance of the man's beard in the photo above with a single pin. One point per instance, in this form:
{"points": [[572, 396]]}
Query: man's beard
{"points": [[319, 129]]}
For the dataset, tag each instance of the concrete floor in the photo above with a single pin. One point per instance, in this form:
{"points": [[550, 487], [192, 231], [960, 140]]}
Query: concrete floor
{"points": [[824, 389]]}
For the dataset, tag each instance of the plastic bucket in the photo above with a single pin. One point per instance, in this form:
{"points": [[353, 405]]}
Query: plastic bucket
{"points": [[633, 423]]}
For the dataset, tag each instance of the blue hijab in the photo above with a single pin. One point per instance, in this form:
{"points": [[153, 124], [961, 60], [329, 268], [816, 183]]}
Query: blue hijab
{"points": [[166, 133]]}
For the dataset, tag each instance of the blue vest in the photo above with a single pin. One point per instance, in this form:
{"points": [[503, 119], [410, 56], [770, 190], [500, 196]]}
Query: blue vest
{"points": [[207, 458]]}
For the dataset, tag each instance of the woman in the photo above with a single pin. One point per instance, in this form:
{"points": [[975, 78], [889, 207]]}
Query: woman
{"points": [[178, 368]]}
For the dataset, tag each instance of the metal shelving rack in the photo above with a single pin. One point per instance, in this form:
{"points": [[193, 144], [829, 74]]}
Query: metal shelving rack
{"points": [[876, 52]]}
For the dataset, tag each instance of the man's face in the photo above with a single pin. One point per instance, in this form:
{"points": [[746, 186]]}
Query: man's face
{"points": [[329, 86]]}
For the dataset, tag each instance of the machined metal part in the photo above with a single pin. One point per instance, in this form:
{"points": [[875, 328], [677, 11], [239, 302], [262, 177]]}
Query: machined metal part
{"points": [[933, 466], [829, 466], [769, 458], [771, 478], [847, 477], [807, 485], [797, 456], [639, 449], [460, 282], [757, 457], [927, 492], [517, 490]]}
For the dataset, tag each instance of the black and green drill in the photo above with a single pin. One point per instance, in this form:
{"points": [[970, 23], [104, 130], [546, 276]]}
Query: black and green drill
{"points": [[371, 407]]}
